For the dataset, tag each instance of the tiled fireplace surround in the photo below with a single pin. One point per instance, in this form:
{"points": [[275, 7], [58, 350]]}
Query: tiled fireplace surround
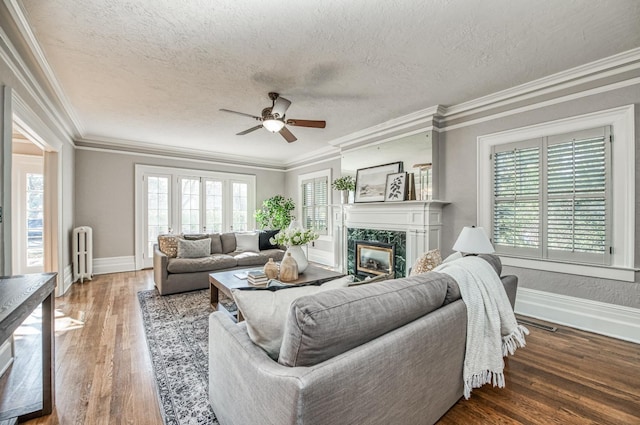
{"points": [[413, 227]]}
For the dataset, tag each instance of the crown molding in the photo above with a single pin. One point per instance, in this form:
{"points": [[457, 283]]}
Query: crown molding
{"points": [[602, 68], [412, 123], [316, 156], [10, 56], [156, 150], [21, 22]]}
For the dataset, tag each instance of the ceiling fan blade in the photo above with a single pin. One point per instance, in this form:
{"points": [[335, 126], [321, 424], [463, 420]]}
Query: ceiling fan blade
{"points": [[241, 113], [307, 123], [242, 133], [280, 107], [289, 137]]}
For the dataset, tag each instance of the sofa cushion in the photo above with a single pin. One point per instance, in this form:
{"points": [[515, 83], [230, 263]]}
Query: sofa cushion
{"points": [[325, 325], [263, 239], [194, 249], [426, 262], [216, 243], [265, 311], [453, 290], [168, 245], [228, 242], [247, 242], [210, 263], [494, 260]]}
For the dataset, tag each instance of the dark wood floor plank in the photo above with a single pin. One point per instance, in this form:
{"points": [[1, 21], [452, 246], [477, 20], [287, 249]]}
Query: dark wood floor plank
{"points": [[105, 376]]}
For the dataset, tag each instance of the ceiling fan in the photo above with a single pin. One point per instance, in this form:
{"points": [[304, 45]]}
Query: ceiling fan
{"points": [[273, 119]]}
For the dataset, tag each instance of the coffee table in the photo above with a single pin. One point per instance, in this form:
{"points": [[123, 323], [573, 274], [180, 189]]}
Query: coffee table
{"points": [[226, 281]]}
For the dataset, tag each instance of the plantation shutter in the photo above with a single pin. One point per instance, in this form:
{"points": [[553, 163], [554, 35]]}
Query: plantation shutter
{"points": [[577, 192], [315, 205], [551, 197], [517, 200]]}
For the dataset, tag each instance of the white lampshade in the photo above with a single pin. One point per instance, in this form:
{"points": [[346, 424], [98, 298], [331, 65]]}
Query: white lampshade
{"points": [[273, 125], [473, 240]]}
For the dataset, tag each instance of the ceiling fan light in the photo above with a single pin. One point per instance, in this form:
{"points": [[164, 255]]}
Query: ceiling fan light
{"points": [[273, 125]]}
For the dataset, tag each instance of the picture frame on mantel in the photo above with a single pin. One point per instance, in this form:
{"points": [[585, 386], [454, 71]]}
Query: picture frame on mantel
{"points": [[371, 182], [396, 187]]}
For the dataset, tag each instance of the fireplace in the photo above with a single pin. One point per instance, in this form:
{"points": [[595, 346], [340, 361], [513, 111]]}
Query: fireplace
{"points": [[374, 258]]}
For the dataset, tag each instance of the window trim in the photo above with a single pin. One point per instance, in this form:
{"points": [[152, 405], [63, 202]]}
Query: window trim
{"points": [[621, 120], [310, 176]]}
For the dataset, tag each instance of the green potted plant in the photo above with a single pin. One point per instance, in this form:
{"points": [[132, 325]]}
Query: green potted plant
{"points": [[275, 213], [345, 184]]}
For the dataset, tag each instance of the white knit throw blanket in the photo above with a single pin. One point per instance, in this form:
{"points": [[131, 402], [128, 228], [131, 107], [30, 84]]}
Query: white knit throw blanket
{"points": [[492, 329]]}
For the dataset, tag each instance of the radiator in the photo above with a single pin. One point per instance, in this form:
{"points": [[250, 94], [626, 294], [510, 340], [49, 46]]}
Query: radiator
{"points": [[82, 253]]}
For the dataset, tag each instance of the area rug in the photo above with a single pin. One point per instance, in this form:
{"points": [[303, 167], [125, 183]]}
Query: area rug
{"points": [[177, 329]]}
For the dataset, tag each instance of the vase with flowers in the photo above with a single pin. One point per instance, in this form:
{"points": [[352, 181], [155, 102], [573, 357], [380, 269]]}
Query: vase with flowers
{"points": [[345, 184], [293, 238]]}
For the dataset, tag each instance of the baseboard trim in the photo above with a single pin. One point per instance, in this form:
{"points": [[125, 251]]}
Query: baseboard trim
{"points": [[593, 316], [114, 264]]}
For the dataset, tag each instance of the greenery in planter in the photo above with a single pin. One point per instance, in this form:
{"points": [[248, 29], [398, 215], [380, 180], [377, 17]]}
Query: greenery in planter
{"points": [[344, 183], [275, 213]]}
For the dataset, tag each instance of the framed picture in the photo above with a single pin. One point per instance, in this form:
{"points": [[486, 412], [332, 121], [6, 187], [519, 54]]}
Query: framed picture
{"points": [[371, 181], [396, 187]]}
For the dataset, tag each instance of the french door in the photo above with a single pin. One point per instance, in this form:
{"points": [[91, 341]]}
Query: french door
{"points": [[28, 226], [189, 201]]}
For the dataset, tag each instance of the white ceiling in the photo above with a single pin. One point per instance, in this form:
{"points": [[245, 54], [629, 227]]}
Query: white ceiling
{"points": [[157, 71]]}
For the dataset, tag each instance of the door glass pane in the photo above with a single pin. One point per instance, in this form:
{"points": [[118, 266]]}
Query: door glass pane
{"points": [[240, 213], [35, 242], [157, 209], [190, 197], [213, 206]]}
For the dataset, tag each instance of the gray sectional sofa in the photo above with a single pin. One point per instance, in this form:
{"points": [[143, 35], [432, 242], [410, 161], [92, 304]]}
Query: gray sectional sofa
{"points": [[390, 352], [173, 275]]}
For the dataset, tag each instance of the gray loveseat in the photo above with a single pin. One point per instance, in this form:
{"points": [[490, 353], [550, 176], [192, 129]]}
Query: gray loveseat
{"points": [[383, 353], [173, 275]]}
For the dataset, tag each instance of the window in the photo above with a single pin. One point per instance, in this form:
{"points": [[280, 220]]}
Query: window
{"points": [[550, 197], [189, 201], [560, 196], [314, 200]]}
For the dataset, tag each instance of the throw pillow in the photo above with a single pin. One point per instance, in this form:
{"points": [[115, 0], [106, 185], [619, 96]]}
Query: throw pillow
{"points": [[264, 242], [427, 262], [247, 242], [265, 312], [194, 249], [168, 245]]}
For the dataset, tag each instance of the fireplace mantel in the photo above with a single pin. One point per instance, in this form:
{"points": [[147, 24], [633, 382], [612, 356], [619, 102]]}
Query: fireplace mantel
{"points": [[407, 215], [421, 220]]}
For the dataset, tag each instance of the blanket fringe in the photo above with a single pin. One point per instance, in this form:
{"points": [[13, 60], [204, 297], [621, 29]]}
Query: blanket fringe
{"points": [[479, 379], [514, 340]]}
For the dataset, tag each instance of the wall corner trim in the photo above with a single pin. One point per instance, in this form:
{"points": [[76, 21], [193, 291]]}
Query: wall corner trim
{"points": [[612, 320]]}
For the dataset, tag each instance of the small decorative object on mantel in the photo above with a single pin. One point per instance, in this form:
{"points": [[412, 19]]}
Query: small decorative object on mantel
{"points": [[411, 187], [396, 187], [271, 269], [371, 181], [344, 184], [423, 184], [292, 237], [288, 269]]}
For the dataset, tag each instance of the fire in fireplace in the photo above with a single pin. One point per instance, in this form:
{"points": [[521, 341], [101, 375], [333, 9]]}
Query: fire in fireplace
{"points": [[374, 258]]}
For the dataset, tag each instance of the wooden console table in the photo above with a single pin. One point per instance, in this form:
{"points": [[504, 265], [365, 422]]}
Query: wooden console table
{"points": [[19, 297]]}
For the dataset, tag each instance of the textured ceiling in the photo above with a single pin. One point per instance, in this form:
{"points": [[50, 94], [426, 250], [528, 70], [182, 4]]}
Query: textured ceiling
{"points": [[157, 71]]}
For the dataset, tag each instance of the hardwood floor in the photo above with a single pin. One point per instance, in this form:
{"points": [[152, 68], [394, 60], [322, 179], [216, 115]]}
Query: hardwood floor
{"points": [[104, 374]]}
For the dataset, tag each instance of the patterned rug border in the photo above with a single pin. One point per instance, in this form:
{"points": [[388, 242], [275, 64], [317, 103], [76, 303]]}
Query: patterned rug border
{"points": [[168, 408]]}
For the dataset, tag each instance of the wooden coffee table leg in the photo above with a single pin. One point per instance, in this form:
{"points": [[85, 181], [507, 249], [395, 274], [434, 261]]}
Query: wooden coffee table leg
{"points": [[214, 295]]}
